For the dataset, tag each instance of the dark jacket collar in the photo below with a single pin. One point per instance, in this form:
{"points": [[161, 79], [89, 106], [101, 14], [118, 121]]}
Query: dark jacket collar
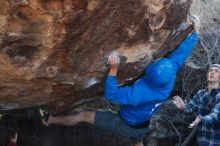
{"points": [[216, 90]]}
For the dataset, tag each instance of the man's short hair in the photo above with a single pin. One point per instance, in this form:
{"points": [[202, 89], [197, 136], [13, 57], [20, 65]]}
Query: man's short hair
{"points": [[8, 129], [215, 65]]}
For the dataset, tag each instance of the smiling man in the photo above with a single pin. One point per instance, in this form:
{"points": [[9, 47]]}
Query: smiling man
{"points": [[207, 104]]}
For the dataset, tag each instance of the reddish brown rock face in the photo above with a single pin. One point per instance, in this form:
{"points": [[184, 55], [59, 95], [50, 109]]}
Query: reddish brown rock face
{"points": [[54, 52]]}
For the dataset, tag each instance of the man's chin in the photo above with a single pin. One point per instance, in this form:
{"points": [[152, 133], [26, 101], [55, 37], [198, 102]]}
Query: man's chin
{"points": [[212, 81]]}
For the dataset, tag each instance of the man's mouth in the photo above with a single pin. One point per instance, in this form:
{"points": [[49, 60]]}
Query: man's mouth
{"points": [[211, 77]]}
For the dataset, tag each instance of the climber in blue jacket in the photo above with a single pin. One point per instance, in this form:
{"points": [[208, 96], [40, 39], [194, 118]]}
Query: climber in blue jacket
{"points": [[139, 101]]}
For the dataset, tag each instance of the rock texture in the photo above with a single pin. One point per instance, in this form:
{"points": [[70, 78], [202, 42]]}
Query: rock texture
{"points": [[54, 52]]}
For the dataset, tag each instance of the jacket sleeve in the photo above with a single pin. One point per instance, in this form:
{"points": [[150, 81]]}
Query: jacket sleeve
{"points": [[214, 116], [128, 95], [193, 104], [116, 94], [180, 55]]}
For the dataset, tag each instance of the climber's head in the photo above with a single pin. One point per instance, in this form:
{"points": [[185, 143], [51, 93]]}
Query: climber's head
{"points": [[160, 72]]}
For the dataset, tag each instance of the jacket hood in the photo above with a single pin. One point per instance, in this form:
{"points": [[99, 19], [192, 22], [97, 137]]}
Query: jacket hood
{"points": [[160, 72]]}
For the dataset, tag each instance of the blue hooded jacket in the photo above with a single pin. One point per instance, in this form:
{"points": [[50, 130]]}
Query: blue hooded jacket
{"points": [[141, 100]]}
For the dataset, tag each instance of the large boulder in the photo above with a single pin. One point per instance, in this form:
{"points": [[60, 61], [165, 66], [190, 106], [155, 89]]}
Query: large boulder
{"points": [[54, 52]]}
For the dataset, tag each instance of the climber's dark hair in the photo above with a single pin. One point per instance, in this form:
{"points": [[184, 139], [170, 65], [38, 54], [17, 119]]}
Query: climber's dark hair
{"points": [[8, 129]]}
